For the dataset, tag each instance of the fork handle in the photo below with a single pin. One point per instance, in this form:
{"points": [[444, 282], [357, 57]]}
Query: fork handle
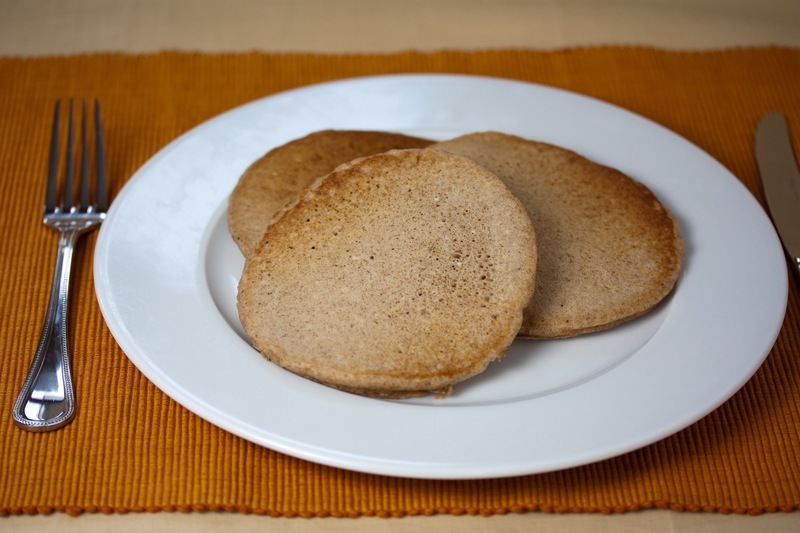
{"points": [[47, 399]]}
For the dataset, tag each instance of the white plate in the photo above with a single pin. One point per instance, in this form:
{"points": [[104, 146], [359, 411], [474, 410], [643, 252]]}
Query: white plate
{"points": [[166, 272]]}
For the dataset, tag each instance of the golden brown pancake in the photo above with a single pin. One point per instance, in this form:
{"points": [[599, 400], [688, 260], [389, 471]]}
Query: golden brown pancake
{"points": [[276, 178], [396, 275], [609, 251]]}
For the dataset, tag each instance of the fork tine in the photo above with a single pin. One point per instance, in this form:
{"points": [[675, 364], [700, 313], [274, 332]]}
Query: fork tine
{"points": [[52, 166], [83, 186], [70, 170], [101, 199]]}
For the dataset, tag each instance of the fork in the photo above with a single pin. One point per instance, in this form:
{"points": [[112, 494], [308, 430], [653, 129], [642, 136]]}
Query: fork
{"points": [[47, 399]]}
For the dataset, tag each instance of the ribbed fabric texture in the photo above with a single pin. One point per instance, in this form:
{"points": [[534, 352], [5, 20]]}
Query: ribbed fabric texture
{"points": [[131, 448]]}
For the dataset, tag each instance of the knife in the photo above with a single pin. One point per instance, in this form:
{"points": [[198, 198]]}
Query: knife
{"points": [[781, 178]]}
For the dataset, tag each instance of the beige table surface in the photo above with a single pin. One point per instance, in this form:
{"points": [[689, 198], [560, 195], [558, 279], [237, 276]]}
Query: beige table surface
{"points": [[44, 27]]}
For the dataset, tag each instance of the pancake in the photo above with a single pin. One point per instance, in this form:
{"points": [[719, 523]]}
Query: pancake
{"points": [[276, 178], [398, 274], [609, 251]]}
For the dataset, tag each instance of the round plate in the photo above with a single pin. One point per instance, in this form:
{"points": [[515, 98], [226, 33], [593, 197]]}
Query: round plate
{"points": [[166, 272]]}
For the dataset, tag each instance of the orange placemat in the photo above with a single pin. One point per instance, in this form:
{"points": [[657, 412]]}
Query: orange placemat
{"points": [[131, 448]]}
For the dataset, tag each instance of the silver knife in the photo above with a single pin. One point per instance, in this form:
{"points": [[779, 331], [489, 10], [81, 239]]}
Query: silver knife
{"points": [[781, 178]]}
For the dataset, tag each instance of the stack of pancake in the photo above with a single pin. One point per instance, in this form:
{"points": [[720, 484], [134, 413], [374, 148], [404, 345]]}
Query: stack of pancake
{"points": [[392, 266]]}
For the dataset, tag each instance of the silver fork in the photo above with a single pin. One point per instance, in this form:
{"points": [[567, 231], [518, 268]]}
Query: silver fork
{"points": [[47, 399]]}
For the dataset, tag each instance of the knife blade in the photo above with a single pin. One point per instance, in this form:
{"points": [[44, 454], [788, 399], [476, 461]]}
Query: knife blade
{"points": [[781, 179]]}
